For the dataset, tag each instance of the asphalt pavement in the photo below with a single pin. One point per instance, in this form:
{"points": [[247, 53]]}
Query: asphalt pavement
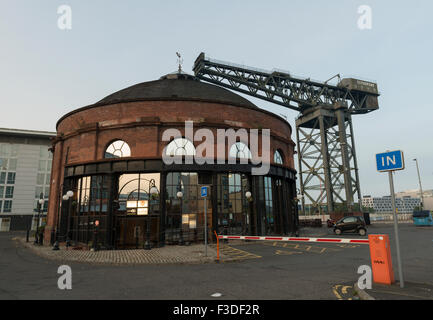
{"points": [[269, 271]]}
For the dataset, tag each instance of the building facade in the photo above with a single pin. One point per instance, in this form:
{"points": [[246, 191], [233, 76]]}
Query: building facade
{"points": [[25, 170], [110, 156], [427, 195], [405, 204]]}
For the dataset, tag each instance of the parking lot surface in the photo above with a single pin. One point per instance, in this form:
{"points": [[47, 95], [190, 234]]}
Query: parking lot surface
{"points": [[271, 270]]}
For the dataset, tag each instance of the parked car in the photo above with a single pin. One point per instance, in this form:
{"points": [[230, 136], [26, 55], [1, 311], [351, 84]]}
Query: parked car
{"points": [[350, 224]]}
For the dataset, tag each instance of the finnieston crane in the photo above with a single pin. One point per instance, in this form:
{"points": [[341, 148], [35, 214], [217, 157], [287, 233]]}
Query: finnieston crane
{"points": [[324, 131]]}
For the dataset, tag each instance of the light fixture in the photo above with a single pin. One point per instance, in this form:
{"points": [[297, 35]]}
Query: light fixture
{"points": [[179, 194], [248, 194], [65, 197], [153, 190], [70, 194]]}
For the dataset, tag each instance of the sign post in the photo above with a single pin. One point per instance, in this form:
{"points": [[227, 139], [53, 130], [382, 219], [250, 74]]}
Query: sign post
{"points": [[391, 161], [204, 195]]}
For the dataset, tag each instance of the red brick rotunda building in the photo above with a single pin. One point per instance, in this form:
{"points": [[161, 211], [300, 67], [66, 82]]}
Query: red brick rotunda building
{"points": [[110, 155]]}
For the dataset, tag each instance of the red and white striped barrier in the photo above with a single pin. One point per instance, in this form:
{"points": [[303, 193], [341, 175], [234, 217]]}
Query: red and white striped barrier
{"points": [[295, 239]]}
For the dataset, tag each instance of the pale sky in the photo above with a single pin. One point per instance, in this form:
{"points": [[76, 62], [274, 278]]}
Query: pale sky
{"points": [[46, 72]]}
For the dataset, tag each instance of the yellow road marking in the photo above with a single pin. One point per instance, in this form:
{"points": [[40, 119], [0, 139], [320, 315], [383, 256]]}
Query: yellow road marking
{"points": [[286, 253], [344, 290], [338, 288], [348, 245], [302, 247], [230, 251], [334, 289]]}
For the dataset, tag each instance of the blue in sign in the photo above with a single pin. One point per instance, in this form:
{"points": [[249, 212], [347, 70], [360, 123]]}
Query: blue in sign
{"points": [[204, 191], [390, 161]]}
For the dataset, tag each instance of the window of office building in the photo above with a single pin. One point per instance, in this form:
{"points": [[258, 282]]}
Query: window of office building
{"points": [[5, 224], [8, 166], [43, 176], [11, 178], [9, 192], [7, 206]]}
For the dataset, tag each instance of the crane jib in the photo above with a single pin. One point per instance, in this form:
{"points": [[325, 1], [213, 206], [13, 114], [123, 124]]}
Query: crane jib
{"points": [[282, 88]]}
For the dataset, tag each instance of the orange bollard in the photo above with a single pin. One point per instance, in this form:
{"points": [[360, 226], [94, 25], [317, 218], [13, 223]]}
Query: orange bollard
{"points": [[218, 246], [381, 263]]}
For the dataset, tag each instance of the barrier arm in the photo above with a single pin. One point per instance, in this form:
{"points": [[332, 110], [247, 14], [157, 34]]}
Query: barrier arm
{"points": [[295, 239]]}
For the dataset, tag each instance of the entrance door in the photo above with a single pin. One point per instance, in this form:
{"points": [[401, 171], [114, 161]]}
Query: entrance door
{"points": [[132, 232], [137, 213]]}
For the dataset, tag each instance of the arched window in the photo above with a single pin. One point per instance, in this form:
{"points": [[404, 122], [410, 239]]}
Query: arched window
{"points": [[180, 147], [118, 149], [278, 158], [240, 150], [136, 195]]}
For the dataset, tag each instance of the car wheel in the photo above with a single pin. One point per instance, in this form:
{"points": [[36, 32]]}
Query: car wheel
{"points": [[337, 232], [362, 232]]}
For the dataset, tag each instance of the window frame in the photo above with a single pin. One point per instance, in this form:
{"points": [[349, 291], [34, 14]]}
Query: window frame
{"points": [[111, 144], [278, 151], [187, 154], [236, 144]]}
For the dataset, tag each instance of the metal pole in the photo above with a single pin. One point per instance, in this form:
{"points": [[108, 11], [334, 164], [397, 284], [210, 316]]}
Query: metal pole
{"points": [[147, 245], [420, 186], [181, 242], [37, 223], [205, 228], [397, 240]]}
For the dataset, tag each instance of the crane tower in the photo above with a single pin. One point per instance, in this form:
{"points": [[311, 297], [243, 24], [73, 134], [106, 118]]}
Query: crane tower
{"points": [[324, 131]]}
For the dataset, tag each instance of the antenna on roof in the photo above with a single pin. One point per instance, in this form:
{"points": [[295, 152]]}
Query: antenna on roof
{"points": [[179, 61]]}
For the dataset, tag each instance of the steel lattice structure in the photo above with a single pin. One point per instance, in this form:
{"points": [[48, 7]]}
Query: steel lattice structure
{"points": [[328, 168]]}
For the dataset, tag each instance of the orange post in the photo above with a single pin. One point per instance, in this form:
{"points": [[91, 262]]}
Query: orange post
{"points": [[218, 246], [381, 263]]}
